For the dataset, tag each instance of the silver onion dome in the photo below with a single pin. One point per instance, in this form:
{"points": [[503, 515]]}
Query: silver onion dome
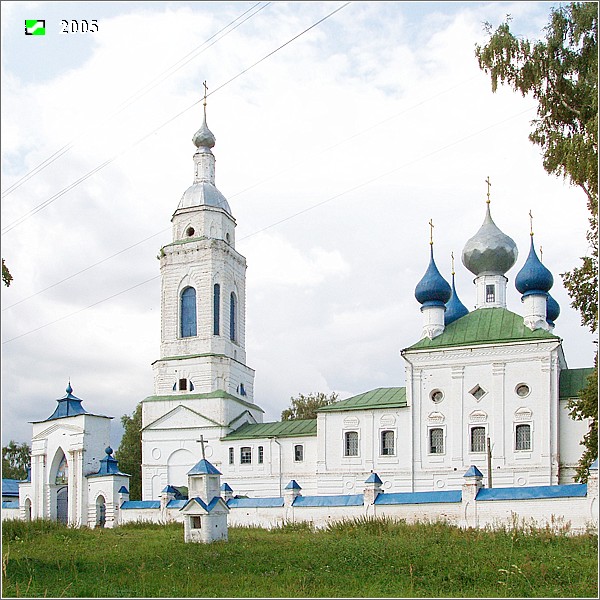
{"points": [[203, 193], [489, 251], [204, 138]]}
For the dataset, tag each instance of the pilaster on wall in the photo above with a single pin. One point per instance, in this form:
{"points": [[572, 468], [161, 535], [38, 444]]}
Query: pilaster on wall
{"points": [[498, 425], [457, 414]]}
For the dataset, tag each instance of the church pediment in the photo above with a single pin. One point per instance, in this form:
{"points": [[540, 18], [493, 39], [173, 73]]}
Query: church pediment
{"points": [[182, 417], [49, 431], [245, 417]]}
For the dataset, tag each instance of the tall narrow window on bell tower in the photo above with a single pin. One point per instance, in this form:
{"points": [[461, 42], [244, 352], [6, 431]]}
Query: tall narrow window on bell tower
{"points": [[188, 312], [233, 318], [216, 309]]}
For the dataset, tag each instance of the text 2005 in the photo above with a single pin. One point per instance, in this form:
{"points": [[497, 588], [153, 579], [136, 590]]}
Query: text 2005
{"points": [[75, 26]]}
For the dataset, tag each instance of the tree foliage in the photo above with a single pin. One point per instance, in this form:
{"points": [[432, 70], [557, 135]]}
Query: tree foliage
{"points": [[305, 407], [561, 73], [6, 276], [129, 453], [15, 460], [586, 407]]}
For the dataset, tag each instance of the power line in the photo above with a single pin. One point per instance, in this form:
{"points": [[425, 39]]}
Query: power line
{"points": [[326, 149], [86, 269], [301, 212], [82, 309], [134, 97], [50, 200]]}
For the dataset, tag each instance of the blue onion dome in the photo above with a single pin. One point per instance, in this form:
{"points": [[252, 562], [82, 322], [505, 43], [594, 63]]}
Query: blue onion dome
{"points": [[552, 310], [433, 289], [455, 309], [204, 138], [489, 251], [534, 277]]}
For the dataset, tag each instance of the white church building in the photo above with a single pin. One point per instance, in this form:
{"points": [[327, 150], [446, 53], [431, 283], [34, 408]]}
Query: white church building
{"points": [[486, 390]]}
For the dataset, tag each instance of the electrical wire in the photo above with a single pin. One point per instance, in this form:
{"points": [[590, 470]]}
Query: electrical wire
{"points": [[295, 165], [296, 214], [135, 97], [52, 199]]}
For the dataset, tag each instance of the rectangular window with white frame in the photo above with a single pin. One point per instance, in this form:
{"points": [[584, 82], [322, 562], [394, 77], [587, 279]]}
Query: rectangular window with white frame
{"points": [[245, 455], [351, 443], [478, 439], [231, 456], [387, 443], [298, 453], [436, 440], [523, 437], [261, 455]]}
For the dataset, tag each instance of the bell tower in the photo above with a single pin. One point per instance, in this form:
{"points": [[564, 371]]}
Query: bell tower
{"points": [[203, 299], [201, 381]]}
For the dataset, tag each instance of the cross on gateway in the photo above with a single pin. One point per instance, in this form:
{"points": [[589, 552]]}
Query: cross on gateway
{"points": [[431, 226]]}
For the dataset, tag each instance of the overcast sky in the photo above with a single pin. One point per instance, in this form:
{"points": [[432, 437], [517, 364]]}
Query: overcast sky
{"points": [[333, 152]]}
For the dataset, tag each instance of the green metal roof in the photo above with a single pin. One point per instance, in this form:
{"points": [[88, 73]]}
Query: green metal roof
{"points": [[378, 398], [572, 381], [484, 326], [292, 428], [215, 394]]}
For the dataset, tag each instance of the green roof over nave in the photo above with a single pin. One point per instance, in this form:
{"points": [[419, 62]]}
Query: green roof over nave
{"points": [[394, 397], [484, 326], [291, 428]]}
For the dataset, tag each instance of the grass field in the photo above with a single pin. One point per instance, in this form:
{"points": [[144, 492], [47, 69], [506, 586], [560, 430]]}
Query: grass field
{"points": [[354, 559]]}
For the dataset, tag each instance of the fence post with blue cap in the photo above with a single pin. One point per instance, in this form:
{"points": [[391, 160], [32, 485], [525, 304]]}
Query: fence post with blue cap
{"points": [[372, 489], [473, 483], [291, 492]]}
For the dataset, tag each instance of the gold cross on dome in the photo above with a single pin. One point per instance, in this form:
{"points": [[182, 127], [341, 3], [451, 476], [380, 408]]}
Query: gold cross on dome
{"points": [[541, 255], [452, 257], [489, 185], [205, 90], [431, 226], [530, 223]]}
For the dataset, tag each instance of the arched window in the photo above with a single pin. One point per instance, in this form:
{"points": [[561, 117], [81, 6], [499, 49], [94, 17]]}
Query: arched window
{"points": [[188, 312], [216, 309], [523, 437], [351, 443], [62, 473], [100, 511], [233, 317]]}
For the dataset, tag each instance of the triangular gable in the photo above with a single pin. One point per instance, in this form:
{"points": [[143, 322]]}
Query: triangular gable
{"points": [[182, 417], [54, 428], [245, 417], [194, 506]]}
